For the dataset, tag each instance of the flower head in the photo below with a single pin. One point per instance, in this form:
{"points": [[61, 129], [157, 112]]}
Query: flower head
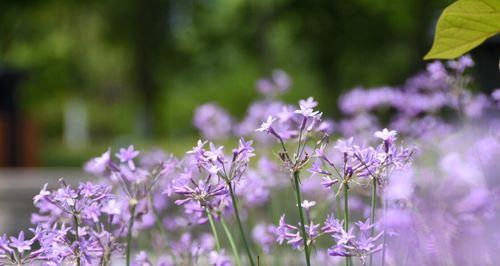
{"points": [[43, 193], [20, 243], [127, 156], [386, 135], [266, 126], [437, 70]]}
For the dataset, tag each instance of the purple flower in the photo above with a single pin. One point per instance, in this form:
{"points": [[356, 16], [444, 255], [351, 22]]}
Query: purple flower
{"points": [[142, 259], [212, 121], [43, 193], [328, 182], [244, 151], [461, 64], [4, 244], [496, 95], [309, 103], [316, 168], [127, 156], [293, 235], [345, 146], [215, 153], [99, 164], [281, 230], [286, 114], [332, 225], [204, 193], [278, 83], [437, 70], [20, 243], [282, 80], [344, 237], [364, 226], [338, 250], [264, 235], [386, 135], [219, 259], [266, 126], [307, 111]]}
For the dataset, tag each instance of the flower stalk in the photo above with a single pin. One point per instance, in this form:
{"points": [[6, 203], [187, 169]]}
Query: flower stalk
{"points": [[133, 205], [235, 206], [214, 230], [77, 235], [296, 176], [231, 241]]}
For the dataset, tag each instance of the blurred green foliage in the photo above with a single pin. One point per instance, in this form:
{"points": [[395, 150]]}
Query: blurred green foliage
{"points": [[142, 66]]}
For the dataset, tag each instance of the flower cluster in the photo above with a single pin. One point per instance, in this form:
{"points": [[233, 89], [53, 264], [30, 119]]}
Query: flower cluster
{"points": [[418, 103], [346, 243], [70, 228], [361, 161], [349, 244]]}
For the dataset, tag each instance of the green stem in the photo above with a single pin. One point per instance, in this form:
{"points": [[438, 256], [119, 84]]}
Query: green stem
{"points": [[235, 206], [372, 215], [231, 241], [214, 230], [338, 206], [346, 215], [75, 222], [301, 214], [133, 204]]}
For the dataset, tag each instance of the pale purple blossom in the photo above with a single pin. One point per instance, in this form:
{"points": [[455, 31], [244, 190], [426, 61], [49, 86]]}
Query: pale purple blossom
{"points": [[127, 156], [20, 243], [267, 125]]}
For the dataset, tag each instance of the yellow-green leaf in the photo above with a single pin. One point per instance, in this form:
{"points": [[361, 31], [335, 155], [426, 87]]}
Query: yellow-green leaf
{"points": [[464, 25]]}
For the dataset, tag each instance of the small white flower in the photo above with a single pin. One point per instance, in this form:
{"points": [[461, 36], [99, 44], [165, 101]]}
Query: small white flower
{"points": [[308, 204], [386, 135], [198, 148], [42, 194], [309, 103], [308, 112], [266, 126]]}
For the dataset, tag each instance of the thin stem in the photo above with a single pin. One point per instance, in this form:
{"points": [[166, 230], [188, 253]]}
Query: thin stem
{"points": [[75, 224], [133, 204], [374, 205], [300, 139], [214, 230], [231, 241], [235, 206], [337, 203], [301, 214], [346, 215]]}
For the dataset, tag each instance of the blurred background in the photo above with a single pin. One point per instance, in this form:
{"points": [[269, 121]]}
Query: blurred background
{"points": [[77, 77]]}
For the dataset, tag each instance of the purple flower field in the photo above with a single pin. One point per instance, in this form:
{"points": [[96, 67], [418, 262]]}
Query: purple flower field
{"points": [[409, 175]]}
